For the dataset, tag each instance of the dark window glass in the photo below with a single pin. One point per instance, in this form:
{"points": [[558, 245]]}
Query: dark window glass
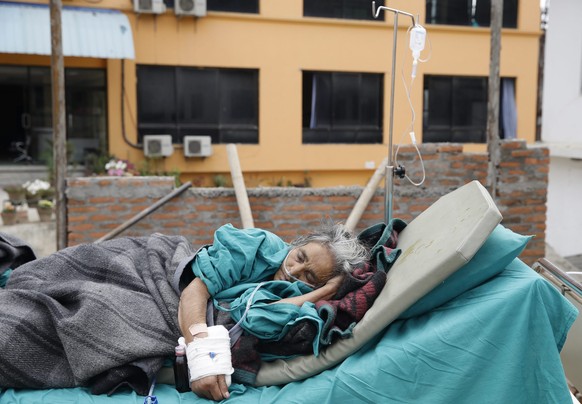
{"points": [[455, 109], [198, 104], [26, 113], [346, 9], [342, 107], [181, 101], [463, 12], [86, 98], [157, 93], [237, 6]]}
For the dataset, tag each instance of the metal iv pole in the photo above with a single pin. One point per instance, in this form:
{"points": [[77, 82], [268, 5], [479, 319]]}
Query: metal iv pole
{"points": [[390, 169]]}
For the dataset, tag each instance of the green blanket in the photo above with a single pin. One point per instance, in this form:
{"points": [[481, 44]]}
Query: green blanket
{"points": [[498, 342]]}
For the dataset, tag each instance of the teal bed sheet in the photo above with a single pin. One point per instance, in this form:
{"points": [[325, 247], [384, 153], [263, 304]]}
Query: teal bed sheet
{"points": [[498, 342]]}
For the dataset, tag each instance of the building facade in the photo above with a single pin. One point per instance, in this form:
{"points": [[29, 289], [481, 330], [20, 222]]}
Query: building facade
{"points": [[562, 126], [303, 87]]}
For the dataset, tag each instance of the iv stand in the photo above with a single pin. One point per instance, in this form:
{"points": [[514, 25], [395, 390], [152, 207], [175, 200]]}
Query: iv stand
{"points": [[390, 169]]}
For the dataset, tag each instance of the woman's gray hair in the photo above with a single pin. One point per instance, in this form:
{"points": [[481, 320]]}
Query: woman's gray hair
{"points": [[347, 251]]}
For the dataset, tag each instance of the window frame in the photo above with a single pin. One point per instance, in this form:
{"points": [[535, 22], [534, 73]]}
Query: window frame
{"points": [[218, 127], [331, 131], [476, 15], [232, 6], [314, 9], [434, 133]]}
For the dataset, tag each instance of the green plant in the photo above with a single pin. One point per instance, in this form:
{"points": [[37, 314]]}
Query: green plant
{"points": [[151, 166], [219, 180], [16, 189], [95, 163], [47, 157], [307, 180], [46, 204], [46, 193]]}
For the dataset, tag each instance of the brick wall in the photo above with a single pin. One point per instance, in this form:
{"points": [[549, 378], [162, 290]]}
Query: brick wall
{"points": [[98, 205]]}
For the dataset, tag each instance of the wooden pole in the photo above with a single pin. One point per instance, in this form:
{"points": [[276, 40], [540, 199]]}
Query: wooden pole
{"points": [[130, 222], [238, 182], [59, 126], [493, 141], [366, 196]]}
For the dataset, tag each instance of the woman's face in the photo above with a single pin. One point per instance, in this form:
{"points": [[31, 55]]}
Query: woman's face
{"points": [[311, 264]]}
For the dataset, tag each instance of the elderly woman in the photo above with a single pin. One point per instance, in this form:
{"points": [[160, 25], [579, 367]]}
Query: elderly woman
{"points": [[109, 315], [318, 260]]}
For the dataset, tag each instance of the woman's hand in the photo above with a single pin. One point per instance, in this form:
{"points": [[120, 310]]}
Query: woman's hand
{"points": [[333, 285], [211, 387]]}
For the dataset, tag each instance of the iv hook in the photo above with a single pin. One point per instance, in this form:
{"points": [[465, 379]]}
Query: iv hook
{"points": [[376, 12]]}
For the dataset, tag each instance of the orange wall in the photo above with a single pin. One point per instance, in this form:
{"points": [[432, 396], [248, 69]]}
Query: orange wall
{"points": [[281, 43]]}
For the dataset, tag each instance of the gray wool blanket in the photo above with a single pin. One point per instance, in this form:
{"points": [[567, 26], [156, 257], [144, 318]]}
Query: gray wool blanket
{"points": [[100, 315]]}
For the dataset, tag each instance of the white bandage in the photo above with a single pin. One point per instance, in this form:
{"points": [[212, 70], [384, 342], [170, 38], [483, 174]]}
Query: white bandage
{"points": [[211, 355]]}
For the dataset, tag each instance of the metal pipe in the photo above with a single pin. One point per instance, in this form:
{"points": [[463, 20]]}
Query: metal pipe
{"points": [[565, 282], [389, 176], [144, 213]]}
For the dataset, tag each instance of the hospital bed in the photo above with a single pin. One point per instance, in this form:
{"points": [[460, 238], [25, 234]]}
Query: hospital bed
{"points": [[460, 320]]}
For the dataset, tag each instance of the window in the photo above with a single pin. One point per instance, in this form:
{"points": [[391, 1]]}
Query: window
{"points": [[235, 6], [26, 113], [180, 101], [469, 12], [346, 9], [342, 107], [455, 109], [86, 98]]}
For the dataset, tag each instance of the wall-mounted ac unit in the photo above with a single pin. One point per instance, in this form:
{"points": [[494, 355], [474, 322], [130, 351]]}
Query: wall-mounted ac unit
{"points": [[197, 146], [158, 145], [149, 6], [190, 7]]}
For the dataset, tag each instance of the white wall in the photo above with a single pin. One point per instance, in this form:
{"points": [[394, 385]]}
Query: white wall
{"points": [[562, 126], [562, 98], [564, 217]]}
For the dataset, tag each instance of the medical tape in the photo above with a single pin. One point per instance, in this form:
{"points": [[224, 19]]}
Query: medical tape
{"points": [[210, 356]]}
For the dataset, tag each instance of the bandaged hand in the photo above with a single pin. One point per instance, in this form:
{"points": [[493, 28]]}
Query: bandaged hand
{"points": [[210, 363]]}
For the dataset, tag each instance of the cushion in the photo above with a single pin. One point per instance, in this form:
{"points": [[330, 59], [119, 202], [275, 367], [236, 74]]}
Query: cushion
{"points": [[434, 245], [500, 248]]}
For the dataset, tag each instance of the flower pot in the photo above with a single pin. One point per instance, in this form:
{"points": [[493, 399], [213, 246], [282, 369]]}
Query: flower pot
{"points": [[22, 216], [45, 214], [9, 218], [16, 195]]}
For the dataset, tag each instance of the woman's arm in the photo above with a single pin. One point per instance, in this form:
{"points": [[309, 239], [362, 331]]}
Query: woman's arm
{"points": [[192, 310], [325, 292]]}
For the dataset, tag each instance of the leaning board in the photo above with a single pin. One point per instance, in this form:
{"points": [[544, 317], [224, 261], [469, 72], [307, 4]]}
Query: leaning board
{"points": [[434, 245]]}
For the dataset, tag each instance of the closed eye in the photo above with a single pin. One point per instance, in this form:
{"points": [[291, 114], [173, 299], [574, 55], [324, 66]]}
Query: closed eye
{"points": [[300, 256], [311, 278]]}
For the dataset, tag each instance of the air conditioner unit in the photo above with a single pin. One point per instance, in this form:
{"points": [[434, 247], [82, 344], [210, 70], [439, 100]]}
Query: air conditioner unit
{"points": [[190, 7], [149, 6], [197, 146], [158, 145]]}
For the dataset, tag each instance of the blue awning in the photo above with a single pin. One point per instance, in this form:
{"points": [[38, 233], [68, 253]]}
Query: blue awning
{"points": [[86, 32]]}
